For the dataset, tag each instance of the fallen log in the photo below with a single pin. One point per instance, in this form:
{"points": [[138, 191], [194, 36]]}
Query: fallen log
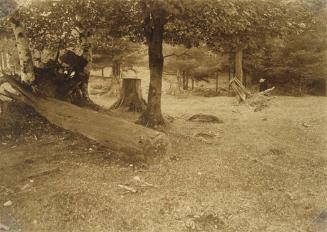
{"points": [[115, 133]]}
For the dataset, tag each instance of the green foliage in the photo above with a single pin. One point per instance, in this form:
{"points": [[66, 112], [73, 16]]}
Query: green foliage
{"points": [[7, 7], [183, 59], [301, 55], [50, 22], [268, 29], [109, 50], [241, 23]]}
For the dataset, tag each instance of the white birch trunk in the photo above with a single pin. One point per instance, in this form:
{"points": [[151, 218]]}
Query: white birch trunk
{"points": [[24, 53]]}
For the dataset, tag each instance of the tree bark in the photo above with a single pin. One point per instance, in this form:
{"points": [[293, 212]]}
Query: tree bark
{"points": [[239, 64], [179, 80], [8, 61], [131, 96], [187, 78], [216, 82], [81, 95], [154, 27], [3, 62], [24, 53], [116, 71], [184, 80]]}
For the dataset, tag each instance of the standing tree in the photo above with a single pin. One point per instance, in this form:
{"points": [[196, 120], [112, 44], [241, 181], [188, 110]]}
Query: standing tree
{"points": [[241, 25], [295, 55], [152, 22], [139, 141], [65, 76]]}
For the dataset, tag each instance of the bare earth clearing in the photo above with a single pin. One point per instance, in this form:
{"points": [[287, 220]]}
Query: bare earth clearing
{"points": [[257, 171]]}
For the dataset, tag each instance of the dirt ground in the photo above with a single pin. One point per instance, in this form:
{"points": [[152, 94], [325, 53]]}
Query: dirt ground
{"points": [[256, 171]]}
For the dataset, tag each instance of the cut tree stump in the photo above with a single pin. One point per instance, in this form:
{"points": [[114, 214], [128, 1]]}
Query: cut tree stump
{"points": [[131, 96], [115, 133]]}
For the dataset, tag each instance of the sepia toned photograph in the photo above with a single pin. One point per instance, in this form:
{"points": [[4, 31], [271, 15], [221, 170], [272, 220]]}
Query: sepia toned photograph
{"points": [[163, 116]]}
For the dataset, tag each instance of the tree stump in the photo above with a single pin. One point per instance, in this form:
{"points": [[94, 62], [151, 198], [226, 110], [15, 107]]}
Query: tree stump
{"points": [[131, 96]]}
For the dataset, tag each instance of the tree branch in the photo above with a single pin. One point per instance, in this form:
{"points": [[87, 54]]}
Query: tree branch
{"points": [[177, 55], [12, 95], [136, 52], [2, 94]]}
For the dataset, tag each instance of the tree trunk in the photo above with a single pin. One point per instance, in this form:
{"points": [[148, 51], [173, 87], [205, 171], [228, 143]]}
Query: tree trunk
{"points": [[116, 70], [216, 82], [154, 35], [131, 96], [179, 80], [239, 64], [115, 133], [119, 70], [24, 53], [187, 77], [184, 80], [81, 95], [8, 58], [3, 62]]}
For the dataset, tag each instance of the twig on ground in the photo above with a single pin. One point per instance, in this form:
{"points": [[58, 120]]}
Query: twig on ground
{"points": [[129, 189], [4, 227], [44, 173]]}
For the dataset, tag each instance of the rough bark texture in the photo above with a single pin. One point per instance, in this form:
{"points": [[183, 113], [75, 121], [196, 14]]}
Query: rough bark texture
{"points": [[3, 63], [64, 83], [53, 80], [131, 96], [83, 98], [239, 64], [115, 133], [24, 53], [186, 76], [154, 33], [217, 75], [116, 70]]}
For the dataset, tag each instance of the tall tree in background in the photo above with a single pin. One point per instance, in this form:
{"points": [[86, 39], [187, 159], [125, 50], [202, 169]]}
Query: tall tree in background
{"points": [[301, 55], [240, 25]]}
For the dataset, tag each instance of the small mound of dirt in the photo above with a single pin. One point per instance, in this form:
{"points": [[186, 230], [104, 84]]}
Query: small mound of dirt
{"points": [[204, 222], [205, 135], [205, 118]]}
